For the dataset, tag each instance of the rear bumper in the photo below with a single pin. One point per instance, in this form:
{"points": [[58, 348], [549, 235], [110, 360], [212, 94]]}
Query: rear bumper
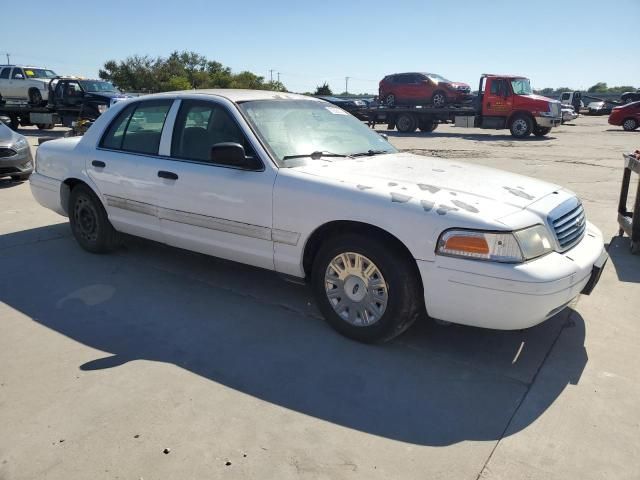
{"points": [[46, 191], [548, 122], [511, 296]]}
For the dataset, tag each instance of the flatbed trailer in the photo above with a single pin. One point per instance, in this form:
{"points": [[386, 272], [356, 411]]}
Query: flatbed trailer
{"points": [[22, 113], [426, 118]]}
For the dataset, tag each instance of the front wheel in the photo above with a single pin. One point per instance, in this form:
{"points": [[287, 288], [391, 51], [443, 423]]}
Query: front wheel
{"points": [[541, 131], [35, 97], [406, 123], [390, 100], [366, 290], [630, 124], [521, 126], [439, 99], [89, 222], [428, 125]]}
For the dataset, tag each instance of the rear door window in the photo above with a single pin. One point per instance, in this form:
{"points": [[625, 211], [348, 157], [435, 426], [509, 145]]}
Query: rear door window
{"points": [[16, 72], [138, 128]]}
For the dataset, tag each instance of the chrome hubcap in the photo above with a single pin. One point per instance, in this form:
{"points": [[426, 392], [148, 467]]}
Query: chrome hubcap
{"points": [[629, 124], [391, 99], [520, 126], [438, 100], [403, 123], [356, 289]]}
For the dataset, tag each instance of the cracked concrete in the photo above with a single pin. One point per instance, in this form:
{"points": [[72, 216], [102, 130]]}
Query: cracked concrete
{"points": [[233, 370]]}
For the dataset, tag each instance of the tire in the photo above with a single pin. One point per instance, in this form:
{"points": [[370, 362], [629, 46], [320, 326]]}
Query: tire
{"points": [[521, 126], [406, 123], [541, 131], [630, 124], [439, 99], [13, 122], [390, 100], [89, 222], [44, 126], [399, 299], [35, 97], [428, 125]]}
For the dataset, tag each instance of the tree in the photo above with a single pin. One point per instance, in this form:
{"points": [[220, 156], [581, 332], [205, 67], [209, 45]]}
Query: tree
{"points": [[179, 71], [600, 87], [323, 89]]}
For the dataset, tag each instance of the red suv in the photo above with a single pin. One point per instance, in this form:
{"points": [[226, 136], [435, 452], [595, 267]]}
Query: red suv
{"points": [[422, 88], [628, 116]]}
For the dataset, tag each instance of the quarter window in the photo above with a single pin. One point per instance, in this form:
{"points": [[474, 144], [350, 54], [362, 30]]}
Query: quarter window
{"points": [[201, 125], [16, 72], [5, 73], [138, 128]]}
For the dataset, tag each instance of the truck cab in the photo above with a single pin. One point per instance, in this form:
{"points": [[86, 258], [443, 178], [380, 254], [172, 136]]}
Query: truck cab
{"points": [[507, 101]]}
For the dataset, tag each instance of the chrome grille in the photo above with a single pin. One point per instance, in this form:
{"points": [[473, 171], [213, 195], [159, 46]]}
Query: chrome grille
{"points": [[7, 152], [569, 223], [555, 109]]}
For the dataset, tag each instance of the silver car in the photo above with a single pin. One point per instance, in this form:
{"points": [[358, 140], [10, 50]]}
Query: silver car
{"points": [[15, 155]]}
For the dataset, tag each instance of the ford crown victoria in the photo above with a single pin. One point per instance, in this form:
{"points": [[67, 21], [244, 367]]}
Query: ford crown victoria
{"points": [[296, 185]]}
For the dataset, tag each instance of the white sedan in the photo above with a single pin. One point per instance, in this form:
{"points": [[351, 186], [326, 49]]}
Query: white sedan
{"points": [[296, 185]]}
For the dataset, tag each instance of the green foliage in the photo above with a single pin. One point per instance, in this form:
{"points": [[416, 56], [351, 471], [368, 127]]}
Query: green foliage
{"points": [[600, 87], [323, 89], [179, 71]]}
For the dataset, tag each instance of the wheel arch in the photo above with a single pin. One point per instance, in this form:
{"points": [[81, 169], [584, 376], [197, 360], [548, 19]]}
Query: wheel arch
{"points": [[337, 227], [69, 184], [519, 113]]}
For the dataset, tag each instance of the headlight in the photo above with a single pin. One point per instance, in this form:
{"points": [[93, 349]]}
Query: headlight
{"points": [[506, 247], [102, 108], [359, 103], [21, 144]]}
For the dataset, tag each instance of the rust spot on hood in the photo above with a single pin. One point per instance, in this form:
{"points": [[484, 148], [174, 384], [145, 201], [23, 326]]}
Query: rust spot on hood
{"points": [[465, 206], [519, 193], [364, 187], [399, 197], [427, 205], [444, 209], [430, 188]]}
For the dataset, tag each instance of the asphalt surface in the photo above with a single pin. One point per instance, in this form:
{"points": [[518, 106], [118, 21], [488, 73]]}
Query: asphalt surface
{"points": [[109, 361]]}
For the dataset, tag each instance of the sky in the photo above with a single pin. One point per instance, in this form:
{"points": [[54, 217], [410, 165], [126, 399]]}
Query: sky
{"points": [[562, 43]]}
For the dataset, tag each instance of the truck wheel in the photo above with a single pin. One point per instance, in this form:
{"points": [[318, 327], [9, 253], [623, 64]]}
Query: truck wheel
{"points": [[12, 121], [35, 97], [428, 125], [439, 99], [44, 126], [406, 123], [364, 289], [89, 222], [521, 126], [390, 100], [541, 131], [630, 124]]}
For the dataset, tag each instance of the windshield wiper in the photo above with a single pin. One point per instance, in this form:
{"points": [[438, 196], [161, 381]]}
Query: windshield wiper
{"points": [[317, 155], [369, 153]]}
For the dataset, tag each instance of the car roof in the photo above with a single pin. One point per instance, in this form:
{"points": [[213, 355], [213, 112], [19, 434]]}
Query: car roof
{"points": [[236, 95]]}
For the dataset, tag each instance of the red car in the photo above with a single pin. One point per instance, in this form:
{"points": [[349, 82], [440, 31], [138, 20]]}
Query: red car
{"points": [[422, 88], [627, 115]]}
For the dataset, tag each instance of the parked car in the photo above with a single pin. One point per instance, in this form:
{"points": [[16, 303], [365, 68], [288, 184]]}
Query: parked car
{"points": [[15, 155], [25, 83], [355, 107], [628, 97], [568, 113], [288, 183], [599, 108], [422, 88], [572, 98], [627, 116]]}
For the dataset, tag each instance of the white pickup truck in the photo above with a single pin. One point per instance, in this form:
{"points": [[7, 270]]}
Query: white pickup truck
{"points": [[297, 185]]}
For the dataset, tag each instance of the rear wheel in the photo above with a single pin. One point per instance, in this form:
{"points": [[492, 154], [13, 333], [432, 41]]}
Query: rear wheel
{"points": [[521, 126], [44, 126], [427, 125], [366, 290], [541, 131], [12, 121], [406, 123], [89, 222], [630, 124], [390, 100], [439, 99]]}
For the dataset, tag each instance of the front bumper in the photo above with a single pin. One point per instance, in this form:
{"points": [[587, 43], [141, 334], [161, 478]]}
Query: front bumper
{"points": [[548, 122], [17, 165], [511, 296]]}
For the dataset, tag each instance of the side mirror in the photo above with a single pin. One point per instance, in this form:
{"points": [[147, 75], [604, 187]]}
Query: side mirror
{"points": [[230, 153], [18, 76]]}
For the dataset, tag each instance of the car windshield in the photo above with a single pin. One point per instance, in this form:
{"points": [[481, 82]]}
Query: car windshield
{"points": [[437, 78], [298, 128], [521, 86], [97, 86], [39, 73]]}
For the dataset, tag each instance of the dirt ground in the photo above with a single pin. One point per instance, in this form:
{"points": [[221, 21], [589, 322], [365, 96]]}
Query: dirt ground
{"points": [[109, 361]]}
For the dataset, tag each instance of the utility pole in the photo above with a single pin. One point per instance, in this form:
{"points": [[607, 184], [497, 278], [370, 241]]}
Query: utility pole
{"points": [[271, 75], [278, 77], [8, 58], [346, 84]]}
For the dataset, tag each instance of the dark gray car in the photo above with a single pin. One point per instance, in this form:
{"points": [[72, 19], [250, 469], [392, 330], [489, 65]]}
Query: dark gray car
{"points": [[16, 160]]}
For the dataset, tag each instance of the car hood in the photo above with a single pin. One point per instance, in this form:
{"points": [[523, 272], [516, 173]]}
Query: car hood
{"points": [[7, 136], [458, 84], [405, 177]]}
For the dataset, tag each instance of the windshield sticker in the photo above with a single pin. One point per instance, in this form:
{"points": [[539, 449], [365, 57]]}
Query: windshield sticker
{"points": [[336, 111], [29, 73]]}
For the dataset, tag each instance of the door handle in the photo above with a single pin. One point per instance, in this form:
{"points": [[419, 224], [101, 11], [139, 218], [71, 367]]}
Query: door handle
{"points": [[169, 175], [98, 164]]}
